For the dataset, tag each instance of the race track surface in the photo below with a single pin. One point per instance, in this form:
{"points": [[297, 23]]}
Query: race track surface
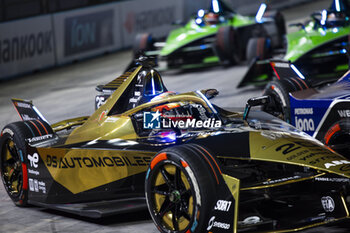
{"points": [[69, 91]]}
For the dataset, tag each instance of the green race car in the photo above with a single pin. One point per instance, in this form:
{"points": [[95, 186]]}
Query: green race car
{"points": [[318, 50], [212, 36]]}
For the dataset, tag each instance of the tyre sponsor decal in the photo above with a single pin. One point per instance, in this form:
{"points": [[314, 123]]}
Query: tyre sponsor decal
{"points": [[9, 131], [195, 185]]}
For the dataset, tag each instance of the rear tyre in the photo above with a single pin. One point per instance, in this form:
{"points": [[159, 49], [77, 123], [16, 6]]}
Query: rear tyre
{"points": [[258, 48], [226, 45], [143, 42], [338, 137], [13, 166], [277, 29], [180, 190]]}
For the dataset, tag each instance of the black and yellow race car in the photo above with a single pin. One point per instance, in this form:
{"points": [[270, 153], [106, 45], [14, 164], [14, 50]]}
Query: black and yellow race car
{"points": [[196, 166]]}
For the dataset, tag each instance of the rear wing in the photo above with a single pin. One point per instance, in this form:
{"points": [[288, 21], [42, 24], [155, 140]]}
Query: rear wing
{"points": [[260, 72], [27, 111], [285, 70]]}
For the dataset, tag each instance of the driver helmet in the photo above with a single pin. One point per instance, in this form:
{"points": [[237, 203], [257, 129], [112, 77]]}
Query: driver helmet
{"points": [[211, 18], [163, 95]]}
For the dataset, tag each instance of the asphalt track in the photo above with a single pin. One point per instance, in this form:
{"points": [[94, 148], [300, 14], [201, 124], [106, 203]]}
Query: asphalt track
{"points": [[69, 91]]}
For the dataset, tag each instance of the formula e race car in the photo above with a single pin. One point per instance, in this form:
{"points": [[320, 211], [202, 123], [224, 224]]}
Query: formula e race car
{"points": [[318, 50], [322, 112], [197, 167], [212, 36]]}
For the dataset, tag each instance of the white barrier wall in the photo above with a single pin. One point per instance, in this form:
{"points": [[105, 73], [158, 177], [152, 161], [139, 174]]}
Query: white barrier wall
{"points": [[152, 16], [87, 32], [39, 42], [35, 43], [26, 45]]}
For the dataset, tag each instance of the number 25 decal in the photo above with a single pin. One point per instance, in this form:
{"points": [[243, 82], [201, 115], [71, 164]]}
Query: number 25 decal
{"points": [[287, 148]]}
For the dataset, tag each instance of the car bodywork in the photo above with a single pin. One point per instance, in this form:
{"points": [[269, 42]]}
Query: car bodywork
{"points": [[268, 175], [318, 50], [321, 112], [194, 43]]}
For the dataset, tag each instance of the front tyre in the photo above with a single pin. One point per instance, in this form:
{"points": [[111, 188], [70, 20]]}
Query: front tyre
{"points": [[280, 104], [142, 43], [226, 46], [338, 137], [258, 48], [180, 190], [277, 29]]}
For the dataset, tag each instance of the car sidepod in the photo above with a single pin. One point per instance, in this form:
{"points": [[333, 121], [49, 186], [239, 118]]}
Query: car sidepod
{"points": [[73, 175], [282, 183]]}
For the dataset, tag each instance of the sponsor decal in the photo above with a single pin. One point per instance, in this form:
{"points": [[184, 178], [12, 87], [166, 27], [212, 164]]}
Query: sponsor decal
{"points": [[143, 21], [112, 119], [42, 186], [31, 184], [281, 180], [26, 46], [94, 162], [33, 159], [336, 163], [328, 204], [305, 124], [7, 130], [328, 179], [300, 153], [222, 205], [33, 172], [25, 117], [344, 113], [40, 138], [303, 111], [88, 32], [100, 100], [212, 223], [23, 105], [152, 120], [345, 168], [270, 135], [37, 185], [281, 65]]}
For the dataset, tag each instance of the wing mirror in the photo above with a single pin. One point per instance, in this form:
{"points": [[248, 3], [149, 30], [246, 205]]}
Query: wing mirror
{"points": [[211, 93], [317, 16], [255, 101]]}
